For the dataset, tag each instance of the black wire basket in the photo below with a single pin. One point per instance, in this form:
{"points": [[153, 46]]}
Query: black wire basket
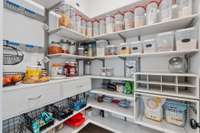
{"points": [[12, 55]]}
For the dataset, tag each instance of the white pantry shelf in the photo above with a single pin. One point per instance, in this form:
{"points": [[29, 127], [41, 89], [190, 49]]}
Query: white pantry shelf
{"points": [[70, 56], [112, 108], [113, 78], [112, 94]]}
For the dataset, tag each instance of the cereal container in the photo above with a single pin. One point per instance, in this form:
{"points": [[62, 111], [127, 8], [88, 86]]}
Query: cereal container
{"points": [[139, 16], [119, 22], [102, 26], [184, 7], [165, 41], [95, 28], [109, 24], [152, 8], [128, 19], [89, 29], [186, 39], [166, 11]]}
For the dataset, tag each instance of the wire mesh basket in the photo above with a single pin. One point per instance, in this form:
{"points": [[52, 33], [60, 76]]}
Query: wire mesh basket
{"points": [[12, 55]]}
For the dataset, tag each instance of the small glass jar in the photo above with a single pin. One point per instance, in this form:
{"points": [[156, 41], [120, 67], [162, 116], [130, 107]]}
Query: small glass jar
{"points": [[95, 28], [119, 22], [128, 19], [102, 26], [89, 29], [152, 8], [139, 15], [109, 24]]}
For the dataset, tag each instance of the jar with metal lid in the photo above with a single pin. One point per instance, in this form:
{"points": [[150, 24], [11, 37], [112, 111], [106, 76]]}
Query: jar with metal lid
{"points": [[166, 12], [184, 7], [128, 19], [89, 29], [119, 22], [109, 24], [96, 28], [152, 8], [72, 48], [139, 15], [83, 26], [102, 26], [78, 23], [70, 69]]}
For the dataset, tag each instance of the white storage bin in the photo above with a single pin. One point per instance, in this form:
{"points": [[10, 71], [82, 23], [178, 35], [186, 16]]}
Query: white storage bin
{"points": [[128, 20], [101, 46], [83, 26], [165, 41], [119, 22], [124, 49], [95, 28], [135, 47], [139, 16], [102, 26], [184, 7], [151, 16], [89, 29], [109, 24], [186, 39], [78, 23], [166, 11], [149, 46]]}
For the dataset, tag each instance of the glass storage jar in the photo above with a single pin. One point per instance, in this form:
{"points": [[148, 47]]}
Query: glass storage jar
{"points": [[101, 45], [119, 22], [102, 26], [149, 46], [89, 29], [83, 26], [165, 41], [135, 47], [96, 28], [139, 15], [109, 24], [184, 7], [88, 68], [166, 11], [78, 23], [128, 19], [152, 8]]}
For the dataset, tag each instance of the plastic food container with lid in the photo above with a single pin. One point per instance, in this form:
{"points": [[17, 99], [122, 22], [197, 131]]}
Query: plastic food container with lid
{"points": [[102, 26], [165, 41], [186, 39], [101, 45], [111, 50], [89, 29], [139, 15], [166, 11], [83, 26], [78, 23], [135, 47], [128, 19], [149, 46], [184, 7], [152, 10], [109, 24], [119, 22], [96, 28], [124, 49]]}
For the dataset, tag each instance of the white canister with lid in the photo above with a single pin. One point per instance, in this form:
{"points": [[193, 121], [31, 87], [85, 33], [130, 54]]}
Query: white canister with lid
{"points": [[166, 11], [96, 28], [139, 15], [128, 19], [102, 26], [119, 22], [89, 29], [152, 9], [184, 7], [109, 24]]}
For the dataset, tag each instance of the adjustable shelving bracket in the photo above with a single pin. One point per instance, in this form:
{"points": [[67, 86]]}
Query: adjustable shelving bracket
{"points": [[122, 37]]}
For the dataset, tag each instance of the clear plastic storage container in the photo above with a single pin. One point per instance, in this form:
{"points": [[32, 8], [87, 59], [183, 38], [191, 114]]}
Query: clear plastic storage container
{"points": [[149, 46], [109, 24], [78, 23], [128, 20], [165, 41], [83, 26], [166, 11], [152, 10], [89, 29], [95, 28], [135, 47], [184, 7], [119, 22], [101, 46], [139, 15], [186, 39], [102, 26]]}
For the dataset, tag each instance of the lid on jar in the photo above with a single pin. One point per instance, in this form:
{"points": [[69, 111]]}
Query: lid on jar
{"points": [[129, 10], [141, 5], [153, 1]]}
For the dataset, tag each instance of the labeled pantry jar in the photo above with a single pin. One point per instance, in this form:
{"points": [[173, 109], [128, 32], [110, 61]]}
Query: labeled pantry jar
{"points": [[184, 7], [119, 22], [109, 24], [139, 16], [128, 19], [152, 10]]}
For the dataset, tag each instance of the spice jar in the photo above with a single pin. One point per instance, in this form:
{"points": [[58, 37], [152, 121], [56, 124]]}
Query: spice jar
{"points": [[152, 8], [102, 26], [96, 28], [70, 69], [89, 29], [128, 19], [109, 24], [139, 15], [166, 10], [119, 22]]}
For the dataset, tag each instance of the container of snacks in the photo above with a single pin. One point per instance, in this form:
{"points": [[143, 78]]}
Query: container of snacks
{"points": [[54, 48], [165, 41], [118, 22]]}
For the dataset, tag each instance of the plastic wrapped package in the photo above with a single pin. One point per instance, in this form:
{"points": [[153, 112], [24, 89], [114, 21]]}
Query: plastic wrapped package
{"points": [[119, 22], [128, 19], [96, 28], [102, 26], [139, 15], [109, 24], [184, 7], [152, 12]]}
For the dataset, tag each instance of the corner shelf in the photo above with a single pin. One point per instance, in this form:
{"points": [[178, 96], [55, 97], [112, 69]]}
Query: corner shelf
{"points": [[70, 56]]}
